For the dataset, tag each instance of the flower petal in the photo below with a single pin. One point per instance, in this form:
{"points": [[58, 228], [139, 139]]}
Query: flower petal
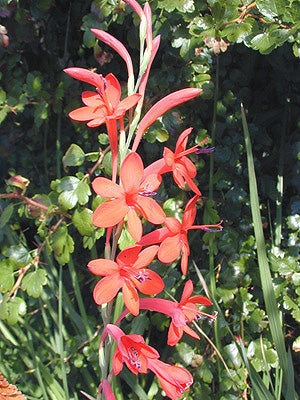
{"points": [[131, 298], [134, 224], [149, 282], [117, 362], [85, 75], [173, 225], [110, 213], [107, 288], [190, 332], [87, 113], [185, 257], [174, 380], [182, 140], [103, 267], [145, 257], [189, 214], [189, 165], [92, 99], [151, 183], [156, 236], [200, 300], [106, 188], [169, 157], [129, 255], [187, 291], [131, 173], [158, 167], [150, 210], [169, 249], [96, 122], [174, 334], [108, 393], [192, 185], [129, 102], [113, 89]]}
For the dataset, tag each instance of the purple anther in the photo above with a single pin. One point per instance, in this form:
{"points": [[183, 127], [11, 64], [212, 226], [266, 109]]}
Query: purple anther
{"points": [[205, 150]]}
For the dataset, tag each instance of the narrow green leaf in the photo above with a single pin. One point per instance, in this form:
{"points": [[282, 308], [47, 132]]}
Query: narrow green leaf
{"points": [[264, 269]]}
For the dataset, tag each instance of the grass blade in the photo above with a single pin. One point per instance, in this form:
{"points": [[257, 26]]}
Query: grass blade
{"points": [[264, 269]]}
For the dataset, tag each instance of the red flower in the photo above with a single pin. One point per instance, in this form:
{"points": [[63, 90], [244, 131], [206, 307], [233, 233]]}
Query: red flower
{"points": [[103, 103], [132, 350], [128, 273], [182, 167], [182, 313], [173, 379], [129, 198], [140, 357], [173, 237], [101, 106]]}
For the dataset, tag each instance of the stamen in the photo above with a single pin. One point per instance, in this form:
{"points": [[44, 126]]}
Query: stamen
{"points": [[202, 315], [105, 86], [144, 193], [205, 150], [135, 361], [142, 276], [147, 190]]}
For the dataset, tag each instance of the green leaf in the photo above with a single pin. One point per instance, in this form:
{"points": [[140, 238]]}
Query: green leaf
{"points": [[6, 214], [271, 8], [62, 244], [15, 307], [184, 6], [82, 220], [74, 156], [125, 239], [18, 254], [72, 191], [7, 279], [33, 282]]}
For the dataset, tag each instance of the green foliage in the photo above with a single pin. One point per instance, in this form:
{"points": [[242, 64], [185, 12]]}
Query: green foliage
{"points": [[256, 45]]}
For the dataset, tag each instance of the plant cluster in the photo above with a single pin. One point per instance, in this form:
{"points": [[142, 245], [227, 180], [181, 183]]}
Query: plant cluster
{"points": [[52, 223]]}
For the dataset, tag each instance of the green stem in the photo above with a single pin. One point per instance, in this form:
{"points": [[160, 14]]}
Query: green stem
{"points": [[213, 286], [79, 298], [60, 333], [278, 220]]}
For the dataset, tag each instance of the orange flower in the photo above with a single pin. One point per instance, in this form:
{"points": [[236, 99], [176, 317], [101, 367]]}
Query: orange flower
{"points": [[182, 313], [101, 106], [105, 102], [128, 273], [129, 198], [173, 379], [182, 167], [173, 237], [140, 357]]}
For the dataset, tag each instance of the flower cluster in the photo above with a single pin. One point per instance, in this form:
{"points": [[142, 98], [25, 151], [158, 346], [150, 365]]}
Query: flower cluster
{"points": [[129, 198]]}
